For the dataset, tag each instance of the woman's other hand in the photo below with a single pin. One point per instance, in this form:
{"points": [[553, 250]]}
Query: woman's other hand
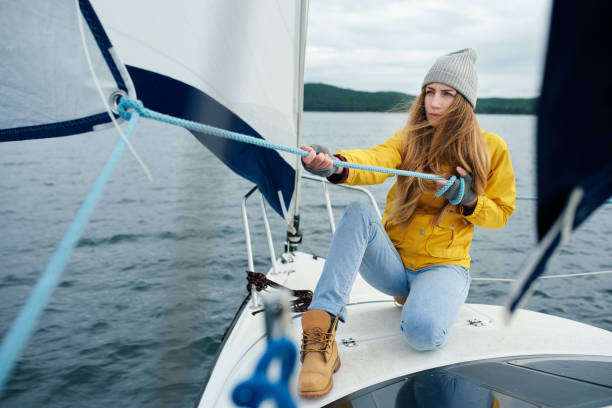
{"points": [[469, 196]]}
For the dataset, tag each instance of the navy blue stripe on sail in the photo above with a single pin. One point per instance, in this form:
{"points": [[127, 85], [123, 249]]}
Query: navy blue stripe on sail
{"points": [[56, 129], [262, 166], [79, 124], [104, 44]]}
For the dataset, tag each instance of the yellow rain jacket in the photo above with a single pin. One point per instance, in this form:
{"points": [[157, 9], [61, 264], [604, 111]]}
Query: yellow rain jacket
{"points": [[422, 244]]}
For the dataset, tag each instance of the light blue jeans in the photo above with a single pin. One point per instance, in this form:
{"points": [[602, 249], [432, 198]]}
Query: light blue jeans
{"points": [[361, 244]]}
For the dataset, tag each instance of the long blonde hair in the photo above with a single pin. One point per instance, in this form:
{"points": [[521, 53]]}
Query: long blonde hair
{"points": [[455, 141]]}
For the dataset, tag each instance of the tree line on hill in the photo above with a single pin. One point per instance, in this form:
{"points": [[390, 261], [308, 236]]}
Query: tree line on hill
{"points": [[323, 97]]}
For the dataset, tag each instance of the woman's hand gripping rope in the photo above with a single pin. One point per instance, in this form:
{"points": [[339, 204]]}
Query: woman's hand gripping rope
{"points": [[457, 190], [318, 161]]}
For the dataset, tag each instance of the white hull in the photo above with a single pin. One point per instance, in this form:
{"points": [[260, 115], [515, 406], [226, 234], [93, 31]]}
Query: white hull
{"points": [[375, 350]]}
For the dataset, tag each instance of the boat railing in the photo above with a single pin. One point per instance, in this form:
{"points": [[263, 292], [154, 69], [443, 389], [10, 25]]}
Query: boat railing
{"points": [[328, 205], [326, 195]]}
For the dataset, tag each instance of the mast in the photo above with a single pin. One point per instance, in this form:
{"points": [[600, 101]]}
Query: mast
{"points": [[294, 235]]}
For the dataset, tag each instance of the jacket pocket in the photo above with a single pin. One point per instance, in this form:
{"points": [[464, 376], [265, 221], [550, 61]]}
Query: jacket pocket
{"points": [[442, 242]]}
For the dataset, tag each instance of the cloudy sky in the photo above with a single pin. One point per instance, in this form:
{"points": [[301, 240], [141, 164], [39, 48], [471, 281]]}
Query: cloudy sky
{"points": [[380, 45]]}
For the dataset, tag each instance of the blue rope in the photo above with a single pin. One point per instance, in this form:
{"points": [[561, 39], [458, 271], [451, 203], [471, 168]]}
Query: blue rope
{"points": [[20, 332], [446, 186], [258, 388], [451, 181], [137, 106]]}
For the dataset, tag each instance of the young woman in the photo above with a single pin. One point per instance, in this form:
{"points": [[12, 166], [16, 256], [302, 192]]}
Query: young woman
{"points": [[419, 252]]}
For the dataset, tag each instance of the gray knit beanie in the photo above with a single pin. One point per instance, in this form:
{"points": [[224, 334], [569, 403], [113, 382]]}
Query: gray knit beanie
{"points": [[457, 70]]}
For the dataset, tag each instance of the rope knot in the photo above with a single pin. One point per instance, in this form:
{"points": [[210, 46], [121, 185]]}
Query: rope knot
{"points": [[127, 105]]}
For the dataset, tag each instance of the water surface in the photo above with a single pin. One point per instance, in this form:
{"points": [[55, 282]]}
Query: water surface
{"points": [[159, 271]]}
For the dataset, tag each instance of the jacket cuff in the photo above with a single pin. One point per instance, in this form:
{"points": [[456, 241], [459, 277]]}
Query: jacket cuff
{"points": [[340, 177], [477, 208]]}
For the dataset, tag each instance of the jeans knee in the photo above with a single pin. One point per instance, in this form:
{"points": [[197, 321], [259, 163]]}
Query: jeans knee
{"points": [[423, 335], [359, 209]]}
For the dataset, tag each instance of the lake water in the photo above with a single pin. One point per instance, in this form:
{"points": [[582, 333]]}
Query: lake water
{"points": [[159, 271]]}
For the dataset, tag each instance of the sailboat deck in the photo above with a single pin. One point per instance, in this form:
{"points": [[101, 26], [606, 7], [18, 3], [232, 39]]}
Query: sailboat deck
{"points": [[373, 350]]}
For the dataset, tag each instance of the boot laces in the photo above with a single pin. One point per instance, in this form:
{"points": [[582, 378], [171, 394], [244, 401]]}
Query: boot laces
{"points": [[315, 340]]}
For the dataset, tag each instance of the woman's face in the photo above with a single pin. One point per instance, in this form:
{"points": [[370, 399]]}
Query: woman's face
{"points": [[438, 97]]}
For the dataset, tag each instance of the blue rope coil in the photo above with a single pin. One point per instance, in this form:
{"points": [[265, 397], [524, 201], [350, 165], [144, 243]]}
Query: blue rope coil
{"points": [[459, 197], [450, 182], [126, 104], [258, 388], [446, 186]]}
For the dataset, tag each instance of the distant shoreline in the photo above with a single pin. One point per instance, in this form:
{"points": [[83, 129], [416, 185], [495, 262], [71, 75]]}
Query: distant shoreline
{"points": [[328, 98]]}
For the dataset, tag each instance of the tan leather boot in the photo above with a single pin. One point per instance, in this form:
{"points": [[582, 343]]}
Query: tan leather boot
{"points": [[319, 354]]}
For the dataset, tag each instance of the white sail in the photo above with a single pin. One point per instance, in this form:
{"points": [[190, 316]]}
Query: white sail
{"points": [[232, 64], [243, 54], [46, 85]]}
